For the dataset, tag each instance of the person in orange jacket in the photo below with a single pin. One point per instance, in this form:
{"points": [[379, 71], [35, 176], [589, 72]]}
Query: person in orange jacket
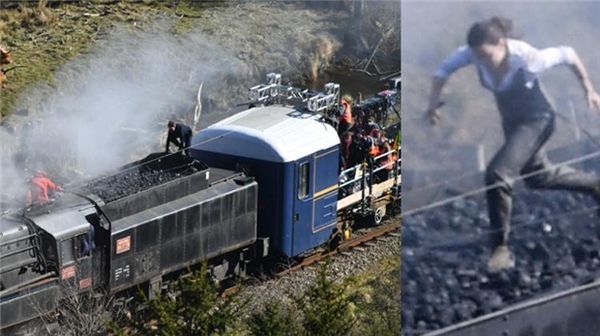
{"points": [[38, 188], [345, 117], [373, 130], [372, 147]]}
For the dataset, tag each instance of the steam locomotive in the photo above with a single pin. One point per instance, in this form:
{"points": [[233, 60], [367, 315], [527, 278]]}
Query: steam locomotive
{"points": [[261, 184]]}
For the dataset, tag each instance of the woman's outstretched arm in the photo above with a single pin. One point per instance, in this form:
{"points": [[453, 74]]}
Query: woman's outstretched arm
{"points": [[581, 73], [461, 57], [433, 112], [541, 60]]}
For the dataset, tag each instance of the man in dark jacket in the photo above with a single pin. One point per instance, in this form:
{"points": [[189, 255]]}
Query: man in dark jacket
{"points": [[181, 132]]}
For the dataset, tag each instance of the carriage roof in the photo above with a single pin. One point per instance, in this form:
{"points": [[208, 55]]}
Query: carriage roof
{"points": [[275, 133]]}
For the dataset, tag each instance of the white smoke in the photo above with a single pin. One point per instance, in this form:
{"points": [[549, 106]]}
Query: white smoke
{"points": [[110, 106]]}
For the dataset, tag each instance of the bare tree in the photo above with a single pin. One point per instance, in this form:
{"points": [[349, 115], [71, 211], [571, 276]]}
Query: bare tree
{"points": [[377, 26], [78, 315]]}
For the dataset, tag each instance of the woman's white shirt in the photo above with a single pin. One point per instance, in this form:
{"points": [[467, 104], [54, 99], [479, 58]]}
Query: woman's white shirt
{"points": [[521, 56]]}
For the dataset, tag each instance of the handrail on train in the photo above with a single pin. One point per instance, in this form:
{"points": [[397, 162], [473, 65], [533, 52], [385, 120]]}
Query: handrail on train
{"points": [[368, 173], [10, 242], [367, 187]]}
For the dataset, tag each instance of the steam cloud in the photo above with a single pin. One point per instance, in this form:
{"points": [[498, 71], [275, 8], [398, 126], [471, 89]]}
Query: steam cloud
{"points": [[110, 107]]}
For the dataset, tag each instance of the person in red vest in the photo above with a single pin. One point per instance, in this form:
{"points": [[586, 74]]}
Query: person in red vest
{"points": [[38, 188], [345, 117]]}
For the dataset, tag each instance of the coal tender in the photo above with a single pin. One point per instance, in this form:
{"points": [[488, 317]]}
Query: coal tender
{"points": [[209, 213], [152, 219]]}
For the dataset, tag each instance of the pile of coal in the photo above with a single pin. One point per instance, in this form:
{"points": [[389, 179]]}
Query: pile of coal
{"points": [[153, 170], [555, 238], [128, 183]]}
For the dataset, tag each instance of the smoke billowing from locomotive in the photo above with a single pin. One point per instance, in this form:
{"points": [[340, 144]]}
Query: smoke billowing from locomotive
{"points": [[109, 107]]}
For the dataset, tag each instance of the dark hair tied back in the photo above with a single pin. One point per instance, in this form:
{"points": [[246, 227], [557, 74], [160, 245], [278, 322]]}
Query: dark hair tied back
{"points": [[490, 31], [503, 24]]}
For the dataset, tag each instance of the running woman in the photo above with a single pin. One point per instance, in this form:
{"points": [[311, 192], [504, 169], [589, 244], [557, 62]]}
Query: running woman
{"points": [[508, 67]]}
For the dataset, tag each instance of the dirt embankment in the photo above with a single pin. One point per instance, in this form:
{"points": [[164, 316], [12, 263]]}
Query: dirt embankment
{"points": [[298, 39]]}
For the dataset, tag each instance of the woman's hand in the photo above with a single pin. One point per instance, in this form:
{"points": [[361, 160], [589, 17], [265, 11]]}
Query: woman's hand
{"points": [[434, 116], [593, 100], [433, 113]]}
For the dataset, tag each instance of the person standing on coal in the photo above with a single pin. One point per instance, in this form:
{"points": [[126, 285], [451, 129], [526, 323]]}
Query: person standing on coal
{"points": [[38, 188], [508, 67], [181, 136]]}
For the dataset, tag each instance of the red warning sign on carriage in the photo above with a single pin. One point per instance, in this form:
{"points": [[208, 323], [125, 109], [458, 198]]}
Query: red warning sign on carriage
{"points": [[85, 283], [124, 244], [68, 272]]}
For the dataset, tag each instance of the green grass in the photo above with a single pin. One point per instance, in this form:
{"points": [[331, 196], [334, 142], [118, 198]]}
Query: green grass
{"points": [[378, 293], [43, 38]]}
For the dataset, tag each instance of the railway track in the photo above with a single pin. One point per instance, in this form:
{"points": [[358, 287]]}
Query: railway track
{"points": [[344, 246], [392, 225]]}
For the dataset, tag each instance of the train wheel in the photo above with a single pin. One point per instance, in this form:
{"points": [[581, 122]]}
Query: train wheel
{"points": [[379, 214]]}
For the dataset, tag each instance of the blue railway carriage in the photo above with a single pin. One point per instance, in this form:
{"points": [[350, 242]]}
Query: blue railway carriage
{"points": [[290, 145], [293, 154]]}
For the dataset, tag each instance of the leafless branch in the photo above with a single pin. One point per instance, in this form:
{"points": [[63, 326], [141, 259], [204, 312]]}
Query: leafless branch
{"points": [[198, 109], [84, 314]]}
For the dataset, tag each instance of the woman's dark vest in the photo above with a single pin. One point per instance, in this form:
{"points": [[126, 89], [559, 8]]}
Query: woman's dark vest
{"points": [[524, 100]]}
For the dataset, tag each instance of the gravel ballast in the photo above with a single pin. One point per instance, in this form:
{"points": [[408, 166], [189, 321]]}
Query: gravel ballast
{"points": [[445, 280], [342, 265]]}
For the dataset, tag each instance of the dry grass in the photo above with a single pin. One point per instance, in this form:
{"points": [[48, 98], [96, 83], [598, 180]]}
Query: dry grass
{"points": [[299, 43], [321, 54], [270, 37], [43, 36]]}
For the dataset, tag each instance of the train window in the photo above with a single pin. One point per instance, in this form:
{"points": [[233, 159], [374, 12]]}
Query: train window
{"points": [[82, 246], [303, 180], [49, 247], [66, 252], [75, 248]]}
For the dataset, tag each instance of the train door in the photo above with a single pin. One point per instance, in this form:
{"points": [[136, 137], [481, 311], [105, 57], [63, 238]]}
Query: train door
{"points": [[325, 196], [100, 242], [76, 263], [302, 205]]}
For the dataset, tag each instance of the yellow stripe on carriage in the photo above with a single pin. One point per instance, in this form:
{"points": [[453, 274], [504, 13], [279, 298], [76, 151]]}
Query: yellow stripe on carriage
{"points": [[324, 191]]}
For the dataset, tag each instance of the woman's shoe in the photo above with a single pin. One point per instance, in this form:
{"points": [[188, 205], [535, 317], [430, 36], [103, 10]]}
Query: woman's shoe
{"points": [[501, 259]]}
